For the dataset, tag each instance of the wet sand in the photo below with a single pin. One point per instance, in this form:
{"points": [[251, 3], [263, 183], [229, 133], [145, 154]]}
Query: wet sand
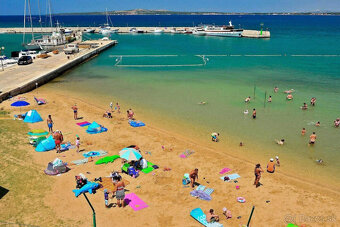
{"points": [[169, 202]]}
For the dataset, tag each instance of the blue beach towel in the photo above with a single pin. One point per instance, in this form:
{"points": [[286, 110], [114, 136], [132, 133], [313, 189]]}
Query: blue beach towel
{"points": [[94, 153], [136, 123], [231, 176], [95, 128]]}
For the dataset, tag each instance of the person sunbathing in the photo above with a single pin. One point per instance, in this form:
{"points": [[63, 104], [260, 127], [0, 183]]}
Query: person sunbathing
{"points": [[211, 217]]}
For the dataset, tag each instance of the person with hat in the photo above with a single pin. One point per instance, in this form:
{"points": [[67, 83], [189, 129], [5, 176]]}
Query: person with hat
{"points": [[271, 166], [277, 161]]}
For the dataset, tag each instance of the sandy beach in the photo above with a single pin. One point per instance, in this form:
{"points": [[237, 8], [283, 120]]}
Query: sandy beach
{"points": [[280, 200]]}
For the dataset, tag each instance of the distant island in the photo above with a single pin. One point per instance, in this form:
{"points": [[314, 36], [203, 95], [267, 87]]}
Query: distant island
{"points": [[167, 12]]}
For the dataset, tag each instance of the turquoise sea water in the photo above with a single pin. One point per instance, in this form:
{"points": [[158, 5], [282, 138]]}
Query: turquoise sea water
{"points": [[303, 58]]}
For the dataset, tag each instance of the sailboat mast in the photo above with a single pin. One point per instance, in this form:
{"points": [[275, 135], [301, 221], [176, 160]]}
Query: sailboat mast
{"points": [[29, 9], [107, 18], [39, 15], [23, 37], [49, 8]]}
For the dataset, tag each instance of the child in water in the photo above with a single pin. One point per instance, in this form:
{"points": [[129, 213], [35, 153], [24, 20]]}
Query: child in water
{"points": [[303, 131]]}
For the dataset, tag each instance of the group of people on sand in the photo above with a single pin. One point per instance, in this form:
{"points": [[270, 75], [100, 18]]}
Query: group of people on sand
{"points": [[108, 113]]}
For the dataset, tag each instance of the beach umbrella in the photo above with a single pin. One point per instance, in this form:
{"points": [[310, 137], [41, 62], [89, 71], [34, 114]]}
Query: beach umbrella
{"points": [[130, 154], [20, 104]]}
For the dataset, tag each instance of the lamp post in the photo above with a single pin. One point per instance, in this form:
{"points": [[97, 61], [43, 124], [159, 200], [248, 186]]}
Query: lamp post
{"points": [[2, 49]]}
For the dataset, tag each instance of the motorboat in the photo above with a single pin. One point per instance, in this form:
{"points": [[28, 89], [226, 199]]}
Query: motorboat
{"points": [[89, 30], [223, 31], [157, 30], [198, 31], [7, 61], [107, 29], [135, 30]]}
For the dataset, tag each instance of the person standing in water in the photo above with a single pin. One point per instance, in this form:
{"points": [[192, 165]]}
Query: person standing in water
{"points": [[75, 111], [317, 124], [247, 100], [304, 107], [312, 138], [50, 124], [270, 98], [276, 89], [313, 101], [303, 131], [254, 113], [337, 123], [258, 170]]}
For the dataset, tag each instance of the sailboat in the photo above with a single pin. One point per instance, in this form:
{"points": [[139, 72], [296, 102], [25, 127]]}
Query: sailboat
{"points": [[47, 42], [106, 29], [32, 45]]}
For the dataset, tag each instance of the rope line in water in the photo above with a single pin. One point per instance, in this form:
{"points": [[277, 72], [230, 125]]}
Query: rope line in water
{"points": [[188, 65]]}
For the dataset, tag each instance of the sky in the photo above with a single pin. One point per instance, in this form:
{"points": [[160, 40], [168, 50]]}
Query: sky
{"points": [[16, 7]]}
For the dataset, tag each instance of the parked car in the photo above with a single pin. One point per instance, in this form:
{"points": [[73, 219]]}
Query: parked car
{"points": [[71, 49], [25, 60]]}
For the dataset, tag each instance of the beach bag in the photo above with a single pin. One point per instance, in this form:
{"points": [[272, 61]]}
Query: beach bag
{"points": [[186, 179]]}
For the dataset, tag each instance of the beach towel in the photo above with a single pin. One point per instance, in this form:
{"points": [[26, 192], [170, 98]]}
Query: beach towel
{"points": [[95, 128], [107, 184], [38, 132], [94, 153], [186, 154], [80, 162], [209, 191], [107, 159], [225, 170], [83, 124], [231, 176], [149, 168], [136, 124], [200, 188], [200, 194], [134, 202]]}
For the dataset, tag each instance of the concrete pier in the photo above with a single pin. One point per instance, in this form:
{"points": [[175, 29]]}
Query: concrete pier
{"points": [[246, 33], [19, 79]]}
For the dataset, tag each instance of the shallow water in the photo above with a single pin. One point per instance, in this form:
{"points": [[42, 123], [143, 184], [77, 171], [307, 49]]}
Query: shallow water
{"points": [[169, 93]]}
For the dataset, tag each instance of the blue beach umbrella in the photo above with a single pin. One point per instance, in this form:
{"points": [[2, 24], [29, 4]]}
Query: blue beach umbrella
{"points": [[130, 154], [20, 104]]}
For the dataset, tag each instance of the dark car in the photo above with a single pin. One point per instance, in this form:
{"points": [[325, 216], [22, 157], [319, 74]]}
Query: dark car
{"points": [[25, 60]]}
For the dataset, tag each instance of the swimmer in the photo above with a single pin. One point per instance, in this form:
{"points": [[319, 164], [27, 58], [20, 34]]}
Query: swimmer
{"points": [[303, 131], [289, 91], [270, 99], [280, 142], [201, 103], [337, 123], [304, 107], [289, 97], [317, 124], [312, 101], [246, 112], [247, 100], [241, 144], [276, 89], [319, 161]]}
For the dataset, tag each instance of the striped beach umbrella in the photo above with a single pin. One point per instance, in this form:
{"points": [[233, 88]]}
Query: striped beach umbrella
{"points": [[130, 154]]}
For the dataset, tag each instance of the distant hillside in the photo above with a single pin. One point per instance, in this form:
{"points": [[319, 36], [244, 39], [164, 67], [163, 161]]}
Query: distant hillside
{"points": [[167, 12]]}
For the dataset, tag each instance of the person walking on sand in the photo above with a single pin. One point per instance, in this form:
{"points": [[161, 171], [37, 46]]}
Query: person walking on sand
{"points": [[214, 136], [271, 166], [120, 193], [303, 131], [277, 161], [75, 111], [312, 138], [50, 124], [111, 106], [78, 143], [211, 217], [117, 107], [258, 171], [193, 176], [254, 113]]}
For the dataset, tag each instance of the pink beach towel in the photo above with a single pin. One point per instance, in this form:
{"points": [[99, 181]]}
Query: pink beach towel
{"points": [[82, 124], [224, 170], [134, 202]]}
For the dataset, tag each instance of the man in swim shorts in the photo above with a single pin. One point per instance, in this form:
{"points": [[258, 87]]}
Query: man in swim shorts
{"points": [[254, 113], [312, 139], [193, 176], [75, 111], [211, 217], [50, 124], [58, 139]]}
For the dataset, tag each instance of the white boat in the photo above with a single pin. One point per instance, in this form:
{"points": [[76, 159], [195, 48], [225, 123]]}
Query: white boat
{"points": [[89, 30], [157, 30], [223, 31], [135, 30], [175, 31], [198, 31], [107, 29], [67, 31]]}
